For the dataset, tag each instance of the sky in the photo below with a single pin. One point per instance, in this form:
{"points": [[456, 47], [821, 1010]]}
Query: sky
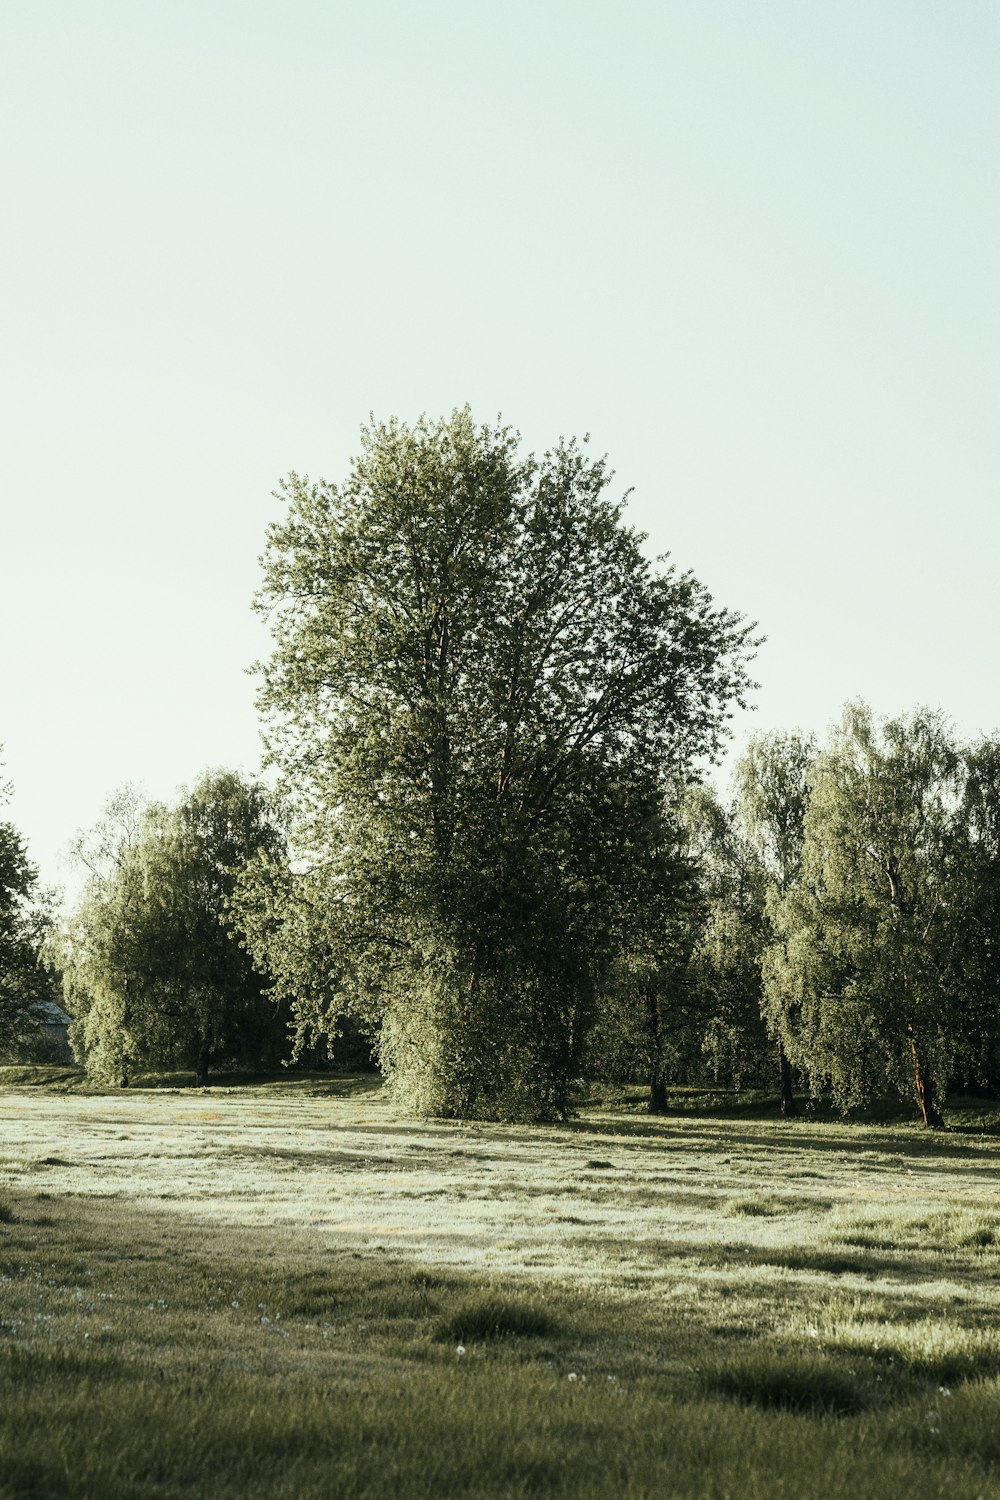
{"points": [[750, 246]]}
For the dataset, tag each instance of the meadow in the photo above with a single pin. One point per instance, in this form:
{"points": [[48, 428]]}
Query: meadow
{"points": [[291, 1289]]}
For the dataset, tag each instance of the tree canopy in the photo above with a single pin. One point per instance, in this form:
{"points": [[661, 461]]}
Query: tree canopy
{"points": [[479, 690], [858, 977]]}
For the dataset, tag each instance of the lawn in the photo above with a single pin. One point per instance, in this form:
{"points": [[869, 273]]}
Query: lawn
{"points": [[293, 1290]]}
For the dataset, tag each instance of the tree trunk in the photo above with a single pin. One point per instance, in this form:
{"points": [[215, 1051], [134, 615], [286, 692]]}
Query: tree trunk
{"points": [[657, 1082], [929, 1112], [657, 1091], [788, 1104], [201, 1075], [126, 1022]]}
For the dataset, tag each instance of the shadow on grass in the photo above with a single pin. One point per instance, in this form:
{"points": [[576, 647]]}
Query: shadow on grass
{"points": [[798, 1136], [277, 1081], [834, 1262], [903, 1268], [963, 1112], [322, 1083], [492, 1316], [55, 1079], [791, 1382], [310, 1158]]}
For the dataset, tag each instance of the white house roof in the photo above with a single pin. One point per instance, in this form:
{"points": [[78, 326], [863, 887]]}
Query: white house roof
{"points": [[51, 1014]]}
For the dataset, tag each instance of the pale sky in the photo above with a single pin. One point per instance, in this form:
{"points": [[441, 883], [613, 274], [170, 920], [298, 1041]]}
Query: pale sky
{"points": [[751, 247]]}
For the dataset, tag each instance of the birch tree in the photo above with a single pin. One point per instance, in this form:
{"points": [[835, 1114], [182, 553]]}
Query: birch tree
{"points": [[860, 972]]}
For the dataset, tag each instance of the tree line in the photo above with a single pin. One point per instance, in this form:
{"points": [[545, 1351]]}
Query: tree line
{"points": [[488, 852], [845, 907]]}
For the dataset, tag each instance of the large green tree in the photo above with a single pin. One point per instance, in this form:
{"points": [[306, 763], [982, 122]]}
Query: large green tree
{"points": [[154, 968], [860, 979], [478, 690]]}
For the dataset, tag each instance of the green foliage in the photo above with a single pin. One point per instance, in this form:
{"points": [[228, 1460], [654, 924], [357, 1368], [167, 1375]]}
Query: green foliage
{"points": [[725, 965], [154, 970], [25, 918], [854, 897], [753, 856], [647, 1022], [478, 692], [690, 990], [772, 785], [859, 980], [972, 962]]}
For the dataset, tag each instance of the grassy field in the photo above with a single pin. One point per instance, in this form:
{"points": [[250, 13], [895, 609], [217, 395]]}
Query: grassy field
{"points": [[291, 1290]]}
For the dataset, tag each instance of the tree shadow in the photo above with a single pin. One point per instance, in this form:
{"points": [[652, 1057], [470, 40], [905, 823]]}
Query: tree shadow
{"points": [[801, 1136]]}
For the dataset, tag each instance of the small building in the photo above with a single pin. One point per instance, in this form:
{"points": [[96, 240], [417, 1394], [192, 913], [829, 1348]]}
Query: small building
{"points": [[55, 1024]]}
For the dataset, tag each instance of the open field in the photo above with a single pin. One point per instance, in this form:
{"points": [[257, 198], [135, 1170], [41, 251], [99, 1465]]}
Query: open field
{"points": [[293, 1290]]}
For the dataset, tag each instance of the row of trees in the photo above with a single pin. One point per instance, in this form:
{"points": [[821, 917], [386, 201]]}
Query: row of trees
{"points": [[883, 967], [486, 707], [847, 918], [836, 922]]}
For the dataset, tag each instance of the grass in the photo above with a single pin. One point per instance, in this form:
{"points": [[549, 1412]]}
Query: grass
{"points": [[294, 1291], [487, 1316]]}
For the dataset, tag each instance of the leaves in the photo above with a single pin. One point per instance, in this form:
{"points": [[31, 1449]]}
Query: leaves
{"points": [[858, 977], [479, 691], [153, 965], [25, 918]]}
